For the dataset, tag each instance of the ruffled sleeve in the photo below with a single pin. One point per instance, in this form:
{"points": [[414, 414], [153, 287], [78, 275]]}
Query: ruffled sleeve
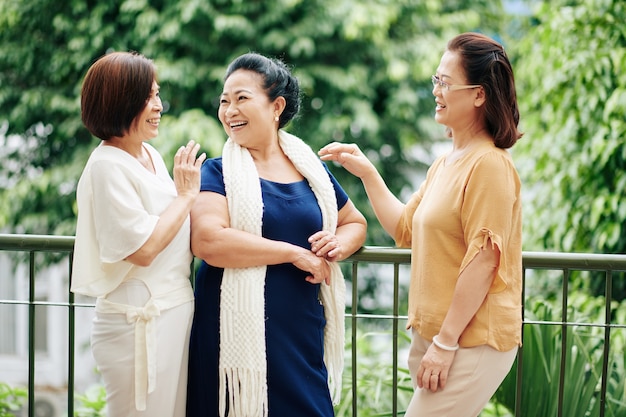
{"points": [[488, 210]]}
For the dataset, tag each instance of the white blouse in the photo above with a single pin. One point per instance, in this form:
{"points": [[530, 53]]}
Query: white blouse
{"points": [[119, 203]]}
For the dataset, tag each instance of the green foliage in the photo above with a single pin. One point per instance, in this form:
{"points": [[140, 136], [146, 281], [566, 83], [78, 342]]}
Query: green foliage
{"points": [[572, 90], [11, 399], [582, 372], [364, 69], [374, 381], [92, 403]]}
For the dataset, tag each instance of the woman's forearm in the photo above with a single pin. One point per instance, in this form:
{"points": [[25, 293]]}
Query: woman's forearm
{"points": [[470, 292], [387, 207]]}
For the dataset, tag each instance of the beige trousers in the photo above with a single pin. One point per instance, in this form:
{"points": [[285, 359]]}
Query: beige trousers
{"points": [[473, 378], [156, 384]]}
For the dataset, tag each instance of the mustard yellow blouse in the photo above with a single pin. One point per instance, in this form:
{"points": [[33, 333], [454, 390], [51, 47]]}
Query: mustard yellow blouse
{"points": [[458, 209]]}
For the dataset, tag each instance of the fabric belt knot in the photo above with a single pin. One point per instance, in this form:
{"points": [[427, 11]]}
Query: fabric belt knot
{"points": [[145, 350]]}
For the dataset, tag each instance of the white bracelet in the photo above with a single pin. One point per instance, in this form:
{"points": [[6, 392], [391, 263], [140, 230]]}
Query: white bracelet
{"points": [[444, 347]]}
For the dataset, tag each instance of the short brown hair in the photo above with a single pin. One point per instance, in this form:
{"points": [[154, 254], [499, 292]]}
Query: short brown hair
{"points": [[485, 63], [115, 90]]}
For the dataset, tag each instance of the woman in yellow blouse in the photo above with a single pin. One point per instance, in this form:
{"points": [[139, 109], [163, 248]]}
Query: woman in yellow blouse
{"points": [[464, 228]]}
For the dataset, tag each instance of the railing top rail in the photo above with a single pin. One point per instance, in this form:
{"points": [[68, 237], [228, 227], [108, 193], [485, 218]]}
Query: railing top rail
{"points": [[376, 254], [382, 254], [36, 242], [582, 261], [537, 260]]}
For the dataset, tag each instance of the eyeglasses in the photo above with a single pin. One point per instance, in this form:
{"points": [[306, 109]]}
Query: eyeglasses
{"points": [[447, 87]]}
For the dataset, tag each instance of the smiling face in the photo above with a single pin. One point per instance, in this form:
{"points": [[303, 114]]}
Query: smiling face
{"points": [[455, 107], [146, 124], [247, 115]]}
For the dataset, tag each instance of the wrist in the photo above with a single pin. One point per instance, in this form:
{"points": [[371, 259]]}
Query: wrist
{"points": [[295, 254], [371, 175], [186, 199], [445, 347]]}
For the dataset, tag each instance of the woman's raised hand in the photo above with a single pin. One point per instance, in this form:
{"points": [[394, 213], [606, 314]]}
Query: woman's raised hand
{"points": [[349, 156], [187, 169]]}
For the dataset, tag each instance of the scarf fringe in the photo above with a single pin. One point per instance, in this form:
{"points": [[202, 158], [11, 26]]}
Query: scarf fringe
{"points": [[245, 392]]}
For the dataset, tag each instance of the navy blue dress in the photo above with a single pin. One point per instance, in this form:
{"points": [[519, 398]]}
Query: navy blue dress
{"points": [[294, 325]]}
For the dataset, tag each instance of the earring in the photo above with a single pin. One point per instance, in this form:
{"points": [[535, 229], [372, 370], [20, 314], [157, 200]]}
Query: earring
{"points": [[276, 118]]}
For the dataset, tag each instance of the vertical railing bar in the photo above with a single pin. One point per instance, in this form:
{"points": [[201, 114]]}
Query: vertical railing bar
{"points": [[71, 342], [396, 309], [31, 334], [354, 310], [563, 342], [608, 296], [520, 354]]}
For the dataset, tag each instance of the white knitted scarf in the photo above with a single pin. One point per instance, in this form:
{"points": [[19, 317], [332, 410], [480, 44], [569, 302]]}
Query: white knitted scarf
{"points": [[242, 360]]}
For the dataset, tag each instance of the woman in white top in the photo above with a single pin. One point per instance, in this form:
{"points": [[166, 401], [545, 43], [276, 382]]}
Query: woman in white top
{"points": [[132, 248]]}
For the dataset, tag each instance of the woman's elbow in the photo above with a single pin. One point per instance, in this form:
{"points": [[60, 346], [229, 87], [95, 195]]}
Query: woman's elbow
{"points": [[362, 234], [206, 249], [201, 252], [212, 257], [362, 228], [354, 235], [142, 258]]}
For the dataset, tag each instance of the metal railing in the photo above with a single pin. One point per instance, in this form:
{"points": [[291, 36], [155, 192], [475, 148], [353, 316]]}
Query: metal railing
{"points": [[397, 258]]}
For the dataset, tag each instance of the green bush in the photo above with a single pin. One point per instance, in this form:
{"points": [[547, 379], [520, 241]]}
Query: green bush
{"points": [[374, 376], [582, 366], [11, 399], [92, 403]]}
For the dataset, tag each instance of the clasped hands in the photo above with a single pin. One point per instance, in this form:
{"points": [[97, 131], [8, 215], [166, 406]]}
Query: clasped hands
{"points": [[325, 248]]}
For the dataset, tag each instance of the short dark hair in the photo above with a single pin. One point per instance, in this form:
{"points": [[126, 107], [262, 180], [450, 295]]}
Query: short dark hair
{"points": [[115, 90], [278, 81], [485, 62]]}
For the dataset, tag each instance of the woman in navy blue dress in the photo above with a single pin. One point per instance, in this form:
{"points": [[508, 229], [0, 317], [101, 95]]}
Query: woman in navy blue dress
{"points": [[269, 211]]}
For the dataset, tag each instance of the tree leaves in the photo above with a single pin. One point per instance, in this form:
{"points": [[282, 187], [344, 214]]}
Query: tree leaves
{"points": [[573, 108], [364, 68]]}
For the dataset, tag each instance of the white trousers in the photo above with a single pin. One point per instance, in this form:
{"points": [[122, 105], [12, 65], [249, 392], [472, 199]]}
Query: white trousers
{"points": [[115, 350], [475, 375]]}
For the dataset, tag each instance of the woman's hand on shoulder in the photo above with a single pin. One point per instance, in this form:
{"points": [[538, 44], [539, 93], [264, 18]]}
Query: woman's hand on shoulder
{"points": [[187, 169], [349, 156]]}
